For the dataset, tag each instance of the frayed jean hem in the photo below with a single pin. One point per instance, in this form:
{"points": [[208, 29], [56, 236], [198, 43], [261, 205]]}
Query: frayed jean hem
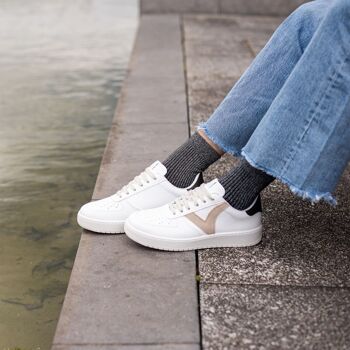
{"points": [[227, 149], [312, 196]]}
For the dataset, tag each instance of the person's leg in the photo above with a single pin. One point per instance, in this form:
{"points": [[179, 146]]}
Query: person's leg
{"points": [[189, 160], [236, 118], [304, 138], [243, 184], [234, 121]]}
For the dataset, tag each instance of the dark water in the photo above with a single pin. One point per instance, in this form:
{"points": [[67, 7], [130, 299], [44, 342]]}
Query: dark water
{"points": [[62, 63]]}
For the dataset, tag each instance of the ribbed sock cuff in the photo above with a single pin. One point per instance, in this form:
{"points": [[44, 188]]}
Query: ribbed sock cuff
{"points": [[243, 184], [190, 159]]}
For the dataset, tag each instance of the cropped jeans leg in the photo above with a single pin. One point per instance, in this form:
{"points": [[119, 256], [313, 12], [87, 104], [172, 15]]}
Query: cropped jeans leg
{"points": [[289, 115], [304, 138], [234, 121]]}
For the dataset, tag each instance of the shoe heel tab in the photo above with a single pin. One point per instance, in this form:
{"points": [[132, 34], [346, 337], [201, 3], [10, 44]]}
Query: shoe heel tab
{"points": [[196, 183], [255, 208]]}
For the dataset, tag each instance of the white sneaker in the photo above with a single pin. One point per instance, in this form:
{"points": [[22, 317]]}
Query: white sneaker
{"points": [[150, 189], [199, 219]]}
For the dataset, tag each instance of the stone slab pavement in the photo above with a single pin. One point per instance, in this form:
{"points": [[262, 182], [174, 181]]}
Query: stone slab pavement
{"points": [[246, 7], [121, 295], [292, 290]]}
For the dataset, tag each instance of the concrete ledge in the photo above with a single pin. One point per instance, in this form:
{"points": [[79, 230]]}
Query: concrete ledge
{"points": [[244, 7], [120, 294], [126, 347]]}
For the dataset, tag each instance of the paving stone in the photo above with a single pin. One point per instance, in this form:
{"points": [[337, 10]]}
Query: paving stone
{"points": [[118, 287], [216, 67], [154, 65], [120, 294], [303, 244], [230, 29], [139, 141], [259, 7], [128, 347], [179, 6], [275, 318], [246, 7]]}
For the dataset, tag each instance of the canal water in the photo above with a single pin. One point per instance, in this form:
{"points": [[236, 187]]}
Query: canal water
{"points": [[62, 63]]}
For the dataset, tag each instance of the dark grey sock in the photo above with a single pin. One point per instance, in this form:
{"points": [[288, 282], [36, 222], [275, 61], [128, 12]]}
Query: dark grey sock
{"points": [[190, 159], [243, 184]]}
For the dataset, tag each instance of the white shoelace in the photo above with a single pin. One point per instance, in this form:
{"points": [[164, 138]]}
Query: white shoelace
{"points": [[138, 181], [191, 198]]}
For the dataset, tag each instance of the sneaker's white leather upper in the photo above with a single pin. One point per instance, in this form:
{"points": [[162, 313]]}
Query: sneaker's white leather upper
{"points": [[202, 211], [148, 190]]}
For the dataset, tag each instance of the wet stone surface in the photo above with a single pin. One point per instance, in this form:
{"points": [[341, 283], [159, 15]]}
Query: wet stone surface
{"points": [[61, 73]]}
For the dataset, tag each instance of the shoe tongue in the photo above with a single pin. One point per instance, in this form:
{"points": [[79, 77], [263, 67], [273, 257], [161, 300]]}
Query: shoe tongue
{"points": [[215, 188], [158, 168]]}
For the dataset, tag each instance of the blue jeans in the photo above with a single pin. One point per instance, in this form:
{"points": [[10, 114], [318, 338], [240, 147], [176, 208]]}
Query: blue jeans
{"points": [[289, 114]]}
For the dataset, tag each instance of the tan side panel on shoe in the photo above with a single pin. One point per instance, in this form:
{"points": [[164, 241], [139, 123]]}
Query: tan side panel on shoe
{"points": [[207, 225]]}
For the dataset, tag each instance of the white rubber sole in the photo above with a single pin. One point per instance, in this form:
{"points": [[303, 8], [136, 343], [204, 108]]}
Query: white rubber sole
{"points": [[99, 226], [217, 240]]}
